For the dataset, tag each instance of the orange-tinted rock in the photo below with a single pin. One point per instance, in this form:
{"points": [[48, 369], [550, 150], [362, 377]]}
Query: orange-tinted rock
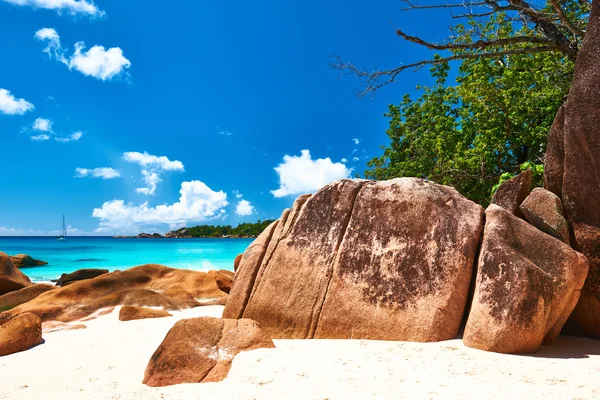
{"points": [[555, 155], [236, 262], [80, 275], [130, 313], [543, 209], [202, 349], [527, 284], [13, 299], [580, 163], [25, 261], [223, 278], [145, 285], [11, 278], [358, 259], [20, 333], [513, 192]]}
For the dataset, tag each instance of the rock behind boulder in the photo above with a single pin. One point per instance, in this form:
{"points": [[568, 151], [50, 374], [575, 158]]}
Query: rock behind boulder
{"points": [[11, 278], [573, 170], [358, 259], [80, 275], [26, 261], [202, 349]]}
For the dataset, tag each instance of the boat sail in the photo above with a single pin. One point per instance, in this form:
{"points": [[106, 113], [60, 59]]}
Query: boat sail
{"points": [[64, 231]]}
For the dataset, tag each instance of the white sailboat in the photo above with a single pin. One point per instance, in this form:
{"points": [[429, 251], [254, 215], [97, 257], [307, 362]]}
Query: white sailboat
{"points": [[64, 232]]}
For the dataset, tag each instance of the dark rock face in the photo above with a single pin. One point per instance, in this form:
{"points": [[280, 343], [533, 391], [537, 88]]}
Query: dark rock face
{"points": [[130, 313], [358, 259], [11, 278], [80, 275], [20, 333], [579, 162], [543, 209], [25, 261], [527, 284], [202, 349], [511, 193]]}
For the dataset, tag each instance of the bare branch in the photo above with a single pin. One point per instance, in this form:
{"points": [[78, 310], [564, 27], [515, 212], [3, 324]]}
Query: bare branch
{"points": [[480, 44], [373, 80], [412, 6]]}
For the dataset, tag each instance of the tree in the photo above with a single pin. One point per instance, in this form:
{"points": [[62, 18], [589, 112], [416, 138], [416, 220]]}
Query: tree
{"points": [[550, 26], [492, 120]]}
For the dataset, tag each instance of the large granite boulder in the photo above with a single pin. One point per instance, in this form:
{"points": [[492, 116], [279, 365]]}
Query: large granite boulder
{"points": [[20, 333], [130, 313], [543, 209], [80, 275], [577, 166], [13, 299], [359, 259], [148, 285], [202, 349], [513, 192], [527, 284], [26, 261], [11, 278]]}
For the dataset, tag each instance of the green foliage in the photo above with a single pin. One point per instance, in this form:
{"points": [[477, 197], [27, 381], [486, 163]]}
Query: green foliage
{"points": [[211, 231], [483, 127]]}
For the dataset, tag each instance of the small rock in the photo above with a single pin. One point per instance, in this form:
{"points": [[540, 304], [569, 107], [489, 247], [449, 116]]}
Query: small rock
{"points": [[543, 209]]}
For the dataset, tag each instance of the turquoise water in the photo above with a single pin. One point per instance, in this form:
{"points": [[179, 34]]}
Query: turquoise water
{"points": [[110, 253]]}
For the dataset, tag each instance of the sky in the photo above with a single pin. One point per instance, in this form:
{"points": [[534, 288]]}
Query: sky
{"points": [[131, 116]]}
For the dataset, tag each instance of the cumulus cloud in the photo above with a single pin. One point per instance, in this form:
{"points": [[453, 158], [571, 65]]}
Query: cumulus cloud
{"points": [[42, 125], [10, 105], [41, 137], [244, 207], [73, 137], [356, 141], [301, 174], [103, 173], [97, 62], [197, 203], [73, 7], [71, 231]]}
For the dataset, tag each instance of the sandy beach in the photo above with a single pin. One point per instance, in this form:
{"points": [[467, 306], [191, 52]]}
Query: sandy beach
{"points": [[107, 361]]}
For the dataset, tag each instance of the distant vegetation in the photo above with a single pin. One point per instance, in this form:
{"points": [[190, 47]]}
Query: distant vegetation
{"points": [[245, 229]]}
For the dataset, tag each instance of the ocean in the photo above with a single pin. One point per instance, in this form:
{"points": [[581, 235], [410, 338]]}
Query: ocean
{"points": [[111, 253]]}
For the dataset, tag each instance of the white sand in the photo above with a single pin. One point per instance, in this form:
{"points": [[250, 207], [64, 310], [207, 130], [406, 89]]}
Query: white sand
{"points": [[107, 361]]}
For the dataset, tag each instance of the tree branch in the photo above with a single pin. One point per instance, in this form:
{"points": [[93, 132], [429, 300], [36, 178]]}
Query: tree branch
{"points": [[373, 79], [565, 20]]}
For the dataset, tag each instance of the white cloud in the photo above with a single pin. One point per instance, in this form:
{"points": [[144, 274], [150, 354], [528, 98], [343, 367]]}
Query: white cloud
{"points": [[41, 137], [344, 160], [225, 133], [151, 179], [356, 141], [73, 7], [42, 125], [298, 175], [244, 207], [355, 159], [148, 160], [75, 136], [98, 62], [238, 194], [197, 203], [10, 105], [103, 172]]}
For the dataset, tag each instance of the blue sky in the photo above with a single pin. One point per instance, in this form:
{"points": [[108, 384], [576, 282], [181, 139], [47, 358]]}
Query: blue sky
{"points": [[131, 116]]}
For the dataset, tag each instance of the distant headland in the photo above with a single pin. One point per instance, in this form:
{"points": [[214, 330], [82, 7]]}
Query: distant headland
{"points": [[242, 231]]}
